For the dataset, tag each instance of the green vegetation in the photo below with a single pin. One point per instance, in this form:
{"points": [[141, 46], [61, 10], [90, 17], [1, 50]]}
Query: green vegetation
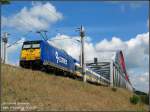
{"points": [[134, 99], [144, 99], [4, 1], [114, 89], [139, 92]]}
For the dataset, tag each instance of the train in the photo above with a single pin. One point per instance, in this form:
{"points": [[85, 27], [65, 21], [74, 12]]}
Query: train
{"points": [[41, 55]]}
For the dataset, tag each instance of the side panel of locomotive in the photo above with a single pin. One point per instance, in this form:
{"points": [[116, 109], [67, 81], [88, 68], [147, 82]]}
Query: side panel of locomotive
{"points": [[56, 57]]}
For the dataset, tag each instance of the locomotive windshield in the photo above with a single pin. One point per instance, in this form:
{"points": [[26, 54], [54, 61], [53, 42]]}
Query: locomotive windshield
{"points": [[29, 46], [26, 46], [35, 45]]}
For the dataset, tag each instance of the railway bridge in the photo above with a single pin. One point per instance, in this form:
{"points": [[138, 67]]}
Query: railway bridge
{"points": [[111, 65]]}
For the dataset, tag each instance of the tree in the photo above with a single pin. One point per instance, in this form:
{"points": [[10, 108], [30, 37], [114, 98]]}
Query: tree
{"points": [[4, 1]]}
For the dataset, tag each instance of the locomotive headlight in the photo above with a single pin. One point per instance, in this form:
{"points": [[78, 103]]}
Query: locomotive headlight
{"points": [[37, 53], [23, 54]]}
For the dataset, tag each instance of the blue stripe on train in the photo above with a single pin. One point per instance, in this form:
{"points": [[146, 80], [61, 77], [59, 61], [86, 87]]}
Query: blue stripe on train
{"points": [[56, 56]]}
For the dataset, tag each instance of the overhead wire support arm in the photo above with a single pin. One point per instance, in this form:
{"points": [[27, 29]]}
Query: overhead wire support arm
{"points": [[45, 31], [40, 32]]}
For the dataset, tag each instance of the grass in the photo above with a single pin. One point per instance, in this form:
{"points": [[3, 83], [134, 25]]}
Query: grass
{"points": [[56, 93]]}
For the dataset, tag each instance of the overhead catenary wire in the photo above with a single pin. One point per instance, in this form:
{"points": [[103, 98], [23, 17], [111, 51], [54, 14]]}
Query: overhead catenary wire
{"points": [[14, 43], [48, 40], [63, 39], [17, 42], [51, 12]]}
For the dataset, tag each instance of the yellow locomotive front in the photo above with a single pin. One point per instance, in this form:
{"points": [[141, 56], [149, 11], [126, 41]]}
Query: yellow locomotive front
{"points": [[30, 54]]}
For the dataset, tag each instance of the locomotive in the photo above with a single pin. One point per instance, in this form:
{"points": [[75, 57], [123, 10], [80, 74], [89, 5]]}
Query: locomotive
{"points": [[39, 54]]}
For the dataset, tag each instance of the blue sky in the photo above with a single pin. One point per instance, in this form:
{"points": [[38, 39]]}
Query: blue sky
{"points": [[113, 24], [101, 19]]}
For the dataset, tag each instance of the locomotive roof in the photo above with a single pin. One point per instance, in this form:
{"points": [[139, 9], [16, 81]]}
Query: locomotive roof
{"points": [[31, 42]]}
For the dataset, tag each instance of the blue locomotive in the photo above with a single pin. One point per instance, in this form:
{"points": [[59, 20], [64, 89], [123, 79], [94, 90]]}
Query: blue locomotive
{"points": [[36, 54]]}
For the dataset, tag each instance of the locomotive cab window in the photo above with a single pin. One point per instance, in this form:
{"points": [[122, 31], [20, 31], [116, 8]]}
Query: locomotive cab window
{"points": [[35, 45], [26, 46], [29, 46]]}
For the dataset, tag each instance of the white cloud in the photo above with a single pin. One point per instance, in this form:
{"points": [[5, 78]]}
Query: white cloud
{"points": [[136, 4], [14, 50], [72, 46], [3, 21], [36, 3], [131, 4], [148, 23], [140, 80], [68, 43], [136, 50], [115, 44], [15, 46], [39, 16]]}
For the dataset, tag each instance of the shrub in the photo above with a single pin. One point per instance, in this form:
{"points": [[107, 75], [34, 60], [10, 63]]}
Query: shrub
{"points": [[114, 89], [134, 99], [144, 99], [147, 99]]}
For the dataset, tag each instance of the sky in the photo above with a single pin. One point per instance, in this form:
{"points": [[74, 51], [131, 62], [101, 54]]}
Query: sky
{"points": [[108, 26]]}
